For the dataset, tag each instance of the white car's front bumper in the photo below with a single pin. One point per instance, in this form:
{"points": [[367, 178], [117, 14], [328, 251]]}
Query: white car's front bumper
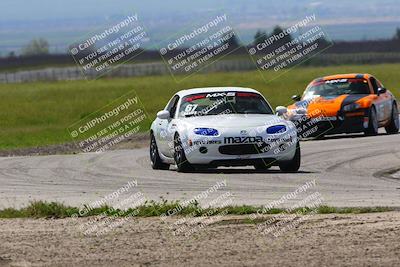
{"points": [[223, 150]]}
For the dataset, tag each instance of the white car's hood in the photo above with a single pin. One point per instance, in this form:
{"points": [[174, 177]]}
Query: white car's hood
{"points": [[234, 120]]}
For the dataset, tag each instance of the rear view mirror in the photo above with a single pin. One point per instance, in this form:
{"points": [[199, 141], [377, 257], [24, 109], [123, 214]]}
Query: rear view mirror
{"points": [[296, 97], [163, 115], [280, 110], [381, 91]]}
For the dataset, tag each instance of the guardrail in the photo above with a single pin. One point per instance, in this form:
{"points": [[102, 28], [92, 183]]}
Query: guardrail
{"points": [[124, 70]]}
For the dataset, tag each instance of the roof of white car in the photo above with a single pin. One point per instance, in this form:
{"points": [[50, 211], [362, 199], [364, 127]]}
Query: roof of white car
{"points": [[214, 89]]}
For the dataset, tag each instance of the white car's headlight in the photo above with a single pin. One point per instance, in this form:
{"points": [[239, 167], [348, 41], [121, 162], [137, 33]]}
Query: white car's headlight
{"points": [[276, 129], [206, 131]]}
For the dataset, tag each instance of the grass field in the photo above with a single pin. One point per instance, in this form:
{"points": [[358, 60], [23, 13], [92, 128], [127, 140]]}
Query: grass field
{"points": [[40, 209], [36, 114]]}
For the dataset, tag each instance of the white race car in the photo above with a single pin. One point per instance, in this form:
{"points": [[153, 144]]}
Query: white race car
{"points": [[222, 126]]}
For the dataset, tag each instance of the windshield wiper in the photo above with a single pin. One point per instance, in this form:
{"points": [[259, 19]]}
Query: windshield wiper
{"points": [[190, 115]]}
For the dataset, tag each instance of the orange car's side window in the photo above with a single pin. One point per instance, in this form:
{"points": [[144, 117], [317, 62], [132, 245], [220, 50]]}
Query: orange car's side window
{"points": [[375, 84]]}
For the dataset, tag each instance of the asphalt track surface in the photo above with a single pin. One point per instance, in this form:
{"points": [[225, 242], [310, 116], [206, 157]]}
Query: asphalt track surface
{"points": [[348, 171]]}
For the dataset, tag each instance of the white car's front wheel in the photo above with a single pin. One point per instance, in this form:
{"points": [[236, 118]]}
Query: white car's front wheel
{"points": [[181, 161], [262, 166], [294, 164]]}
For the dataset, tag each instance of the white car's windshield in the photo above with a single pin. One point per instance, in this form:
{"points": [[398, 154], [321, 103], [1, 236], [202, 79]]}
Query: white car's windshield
{"points": [[333, 88], [215, 103]]}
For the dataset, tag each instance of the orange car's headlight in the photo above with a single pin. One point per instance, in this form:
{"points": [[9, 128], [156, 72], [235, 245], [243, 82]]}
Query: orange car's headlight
{"points": [[351, 107]]}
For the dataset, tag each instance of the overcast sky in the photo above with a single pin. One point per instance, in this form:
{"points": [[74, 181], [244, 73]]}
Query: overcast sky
{"points": [[62, 21], [53, 9]]}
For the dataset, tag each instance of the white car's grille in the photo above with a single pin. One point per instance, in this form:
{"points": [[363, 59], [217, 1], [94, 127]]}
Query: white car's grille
{"points": [[244, 149]]}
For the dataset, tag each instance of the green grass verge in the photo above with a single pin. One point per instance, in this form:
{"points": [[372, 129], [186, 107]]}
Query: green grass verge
{"points": [[40, 209], [38, 114]]}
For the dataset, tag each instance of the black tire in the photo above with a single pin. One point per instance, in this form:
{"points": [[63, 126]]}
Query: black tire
{"points": [[262, 166], [319, 137], [373, 124], [156, 162], [182, 164], [294, 164], [393, 126]]}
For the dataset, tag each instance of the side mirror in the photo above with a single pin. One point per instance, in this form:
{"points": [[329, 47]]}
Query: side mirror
{"points": [[280, 110], [381, 91], [163, 115], [296, 97]]}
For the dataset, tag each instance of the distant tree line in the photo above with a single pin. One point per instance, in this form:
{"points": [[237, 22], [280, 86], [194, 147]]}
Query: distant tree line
{"points": [[36, 52], [397, 34]]}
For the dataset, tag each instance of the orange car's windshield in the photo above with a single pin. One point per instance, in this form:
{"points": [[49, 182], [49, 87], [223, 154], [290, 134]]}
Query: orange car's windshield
{"points": [[333, 88]]}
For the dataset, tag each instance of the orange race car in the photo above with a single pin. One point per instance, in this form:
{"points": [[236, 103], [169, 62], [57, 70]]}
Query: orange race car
{"points": [[344, 103]]}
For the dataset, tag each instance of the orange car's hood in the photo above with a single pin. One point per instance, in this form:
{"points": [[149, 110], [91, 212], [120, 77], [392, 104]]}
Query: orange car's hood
{"points": [[326, 106]]}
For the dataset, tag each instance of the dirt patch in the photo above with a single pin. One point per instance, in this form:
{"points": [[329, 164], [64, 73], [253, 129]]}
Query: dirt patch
{"points": [[320, 240]]}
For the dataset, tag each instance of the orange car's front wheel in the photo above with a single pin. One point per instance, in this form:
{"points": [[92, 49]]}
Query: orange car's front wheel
{"points": [[393, 126], [373, 124]]}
